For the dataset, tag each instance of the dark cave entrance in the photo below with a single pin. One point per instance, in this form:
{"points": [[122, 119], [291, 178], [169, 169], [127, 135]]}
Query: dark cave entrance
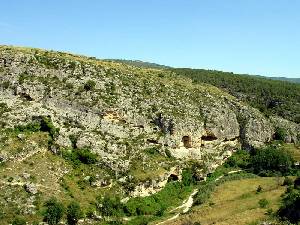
{"points": [[209, 137], [173, 177], [187, 142]]}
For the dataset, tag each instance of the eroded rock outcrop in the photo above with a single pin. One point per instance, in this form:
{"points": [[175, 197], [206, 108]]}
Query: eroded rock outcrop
{"points": [[119, 111]]}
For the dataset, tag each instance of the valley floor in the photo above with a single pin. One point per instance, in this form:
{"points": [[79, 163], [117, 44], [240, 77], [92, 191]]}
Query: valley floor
{"points": [[236, 202]]}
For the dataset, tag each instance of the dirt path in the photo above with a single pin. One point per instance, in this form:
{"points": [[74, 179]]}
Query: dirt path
{"points": [[188, 203]]}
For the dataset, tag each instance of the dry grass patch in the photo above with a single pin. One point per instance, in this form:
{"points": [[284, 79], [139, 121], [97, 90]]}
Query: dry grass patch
{"points": [[236, 202]]}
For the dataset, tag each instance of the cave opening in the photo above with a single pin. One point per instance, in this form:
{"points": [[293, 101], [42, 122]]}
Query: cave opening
{"points": [[187, 141], [209, 138], [173, 177]]}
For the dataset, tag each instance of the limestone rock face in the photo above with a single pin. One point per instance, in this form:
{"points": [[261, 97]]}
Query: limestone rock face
{"points": [[119, 111], [292, 129], [31, 188], [221, 122]]}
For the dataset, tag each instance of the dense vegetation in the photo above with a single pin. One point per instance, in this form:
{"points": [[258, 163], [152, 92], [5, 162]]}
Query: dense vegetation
{"points": [[270, 96], [290, 209], [269, 161]]}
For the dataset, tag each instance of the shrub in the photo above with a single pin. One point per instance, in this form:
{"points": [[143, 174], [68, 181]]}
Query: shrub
{"points": [[19, 221], [280, 134], [290, 206], [2, 214], [239, 159], [31, 127], [73, 138], [270, 212], [47, 126], [85, 156], [259, 189], [3, 108], [152, 151], [297, 183], [69, 85], [74, 213], [23, 77], [168, 153], [263, 203], [54, 211], [109, 206], [6, 84], [89, 85], [77, 156], [287, 181], [187, 177]]}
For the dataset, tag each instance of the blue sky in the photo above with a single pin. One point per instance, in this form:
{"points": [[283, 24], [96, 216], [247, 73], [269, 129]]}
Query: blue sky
{"points": [[243, 36]]}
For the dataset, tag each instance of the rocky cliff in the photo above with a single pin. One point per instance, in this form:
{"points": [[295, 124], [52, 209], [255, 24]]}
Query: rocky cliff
{"points": [[141, 123]]}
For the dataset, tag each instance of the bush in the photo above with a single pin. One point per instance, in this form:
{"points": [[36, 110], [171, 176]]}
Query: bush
{"points": [[54, 211], [6, 84], [259, 189], [287, 181], [78, 156], [239, 159], [47, 126], [269, 212], [152, 151], [187, 177], [85, 156], [280, 134], [19, 221], [290, 206], [41, 124], [110, 206], [74, 213], [31, 127], [89, 85], [168, 153], [263, 203], [270, 160]]}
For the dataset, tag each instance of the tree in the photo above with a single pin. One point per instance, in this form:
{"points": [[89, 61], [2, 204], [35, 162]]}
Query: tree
{"points": [[270, 160], [74, 213], [239, 159], [290, 209], [54, 211], [110, 206]]}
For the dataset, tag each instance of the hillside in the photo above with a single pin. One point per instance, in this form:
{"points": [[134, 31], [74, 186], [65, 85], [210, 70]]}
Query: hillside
{"points": [[269, 96], [93, 131], [278, 95], [139, 63]]}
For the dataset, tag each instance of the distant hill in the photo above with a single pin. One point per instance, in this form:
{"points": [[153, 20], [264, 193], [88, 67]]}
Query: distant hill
{"points": [[139, 63], [143, 64], [293, 80]]}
